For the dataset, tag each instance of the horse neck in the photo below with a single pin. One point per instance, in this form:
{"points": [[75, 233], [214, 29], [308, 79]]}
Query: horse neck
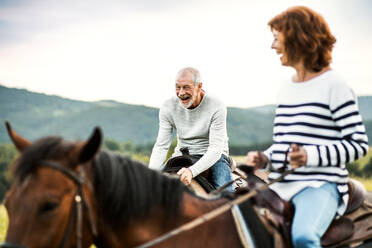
{"points": [[154, 224], [141, 231], [195, 206], [105, 237], [109, 236]]}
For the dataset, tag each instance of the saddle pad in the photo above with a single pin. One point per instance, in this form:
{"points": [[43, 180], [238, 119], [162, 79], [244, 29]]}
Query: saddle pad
{"points": [[256, 235], [241, 227]]}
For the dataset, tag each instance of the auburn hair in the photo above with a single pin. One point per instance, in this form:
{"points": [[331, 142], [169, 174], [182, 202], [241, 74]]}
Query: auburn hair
{"points": [[306, 35]]}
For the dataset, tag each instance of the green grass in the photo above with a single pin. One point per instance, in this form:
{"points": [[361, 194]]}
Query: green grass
{"points": [[364, 160], [3, 222], [239, 159], [367, 182]]}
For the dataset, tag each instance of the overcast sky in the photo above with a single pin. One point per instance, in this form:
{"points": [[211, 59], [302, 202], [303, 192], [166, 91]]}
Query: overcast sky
{"points": [[131, 50]]}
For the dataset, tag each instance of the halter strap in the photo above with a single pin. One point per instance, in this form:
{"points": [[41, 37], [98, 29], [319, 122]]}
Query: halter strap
{"points": [[78, 203], [78, 179], [69, 226]]}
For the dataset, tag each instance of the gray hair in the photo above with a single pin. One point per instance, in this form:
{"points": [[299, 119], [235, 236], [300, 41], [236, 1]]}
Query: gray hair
{"points": [[194, 72]]}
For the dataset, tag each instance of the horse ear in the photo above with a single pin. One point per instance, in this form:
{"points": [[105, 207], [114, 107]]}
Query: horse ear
{"points": [[91, 146], [20, 142]]}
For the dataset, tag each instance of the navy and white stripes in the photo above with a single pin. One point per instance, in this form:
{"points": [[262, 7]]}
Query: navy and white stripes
{"points": [[321, 115], [338, 135]]}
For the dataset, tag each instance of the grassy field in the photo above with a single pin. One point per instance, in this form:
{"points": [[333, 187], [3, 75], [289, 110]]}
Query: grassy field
{"points": [[3, 222], [367, 182]]}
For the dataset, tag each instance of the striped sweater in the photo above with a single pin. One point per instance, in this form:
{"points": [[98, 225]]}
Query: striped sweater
{"points": [[321, 115]]}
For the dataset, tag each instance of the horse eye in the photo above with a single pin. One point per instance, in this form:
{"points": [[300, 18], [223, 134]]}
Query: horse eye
{"points": [[48, 207]]}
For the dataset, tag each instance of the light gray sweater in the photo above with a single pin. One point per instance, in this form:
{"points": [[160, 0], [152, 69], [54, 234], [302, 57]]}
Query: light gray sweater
{"points": [[202, 130]]}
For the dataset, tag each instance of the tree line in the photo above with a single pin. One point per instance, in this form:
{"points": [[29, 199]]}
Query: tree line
{"points": [[8, 154]]}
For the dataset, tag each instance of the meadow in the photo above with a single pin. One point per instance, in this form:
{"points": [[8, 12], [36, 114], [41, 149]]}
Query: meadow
{"points": [[3, 222]]}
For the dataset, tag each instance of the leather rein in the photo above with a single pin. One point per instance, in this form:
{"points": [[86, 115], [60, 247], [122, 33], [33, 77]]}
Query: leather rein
{"points": [[78, 204]]}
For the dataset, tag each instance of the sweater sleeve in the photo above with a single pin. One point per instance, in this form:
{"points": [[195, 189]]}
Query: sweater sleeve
{"points": [[163, 141], [353, 143], [217, 137]]}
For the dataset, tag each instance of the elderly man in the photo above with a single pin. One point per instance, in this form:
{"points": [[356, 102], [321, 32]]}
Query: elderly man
{"points": [[200, 122]]}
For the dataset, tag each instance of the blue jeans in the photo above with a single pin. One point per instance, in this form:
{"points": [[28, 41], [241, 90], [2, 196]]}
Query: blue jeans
{"points": [[220, 173], [315, 209]]}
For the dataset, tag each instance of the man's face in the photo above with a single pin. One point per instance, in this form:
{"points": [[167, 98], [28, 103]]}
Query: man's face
{"points": [[278, 45], [187, 92]]}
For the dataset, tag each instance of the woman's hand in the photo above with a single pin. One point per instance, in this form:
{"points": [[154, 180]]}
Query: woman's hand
{"points": [[256, 159], [297, 156]]}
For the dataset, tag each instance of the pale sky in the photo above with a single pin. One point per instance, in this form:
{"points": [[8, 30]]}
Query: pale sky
{"points": [[131, 50]]}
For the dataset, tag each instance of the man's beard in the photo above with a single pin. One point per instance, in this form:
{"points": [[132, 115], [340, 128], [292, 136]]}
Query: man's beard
{"points": [[189, 103]]}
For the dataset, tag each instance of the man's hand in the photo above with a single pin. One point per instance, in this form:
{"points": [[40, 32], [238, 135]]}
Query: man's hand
{"points": [[297, 157], [256, 159], [185, 175]]}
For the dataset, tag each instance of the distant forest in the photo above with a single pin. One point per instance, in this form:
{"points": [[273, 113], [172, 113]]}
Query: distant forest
{"points": [[8, 153], [36, 115]]}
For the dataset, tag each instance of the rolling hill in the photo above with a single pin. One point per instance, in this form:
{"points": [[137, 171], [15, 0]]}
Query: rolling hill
{"points": [[35, 115]]}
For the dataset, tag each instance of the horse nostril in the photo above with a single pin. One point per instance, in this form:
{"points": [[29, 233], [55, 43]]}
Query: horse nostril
{"points": [[10, 245]]}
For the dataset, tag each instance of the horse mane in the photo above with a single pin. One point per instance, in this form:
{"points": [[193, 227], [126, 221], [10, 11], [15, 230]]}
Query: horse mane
{"points": [[127, 189]]}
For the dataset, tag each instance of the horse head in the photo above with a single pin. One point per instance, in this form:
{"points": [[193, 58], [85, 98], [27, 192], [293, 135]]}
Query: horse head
{"points": [[48, 190]]}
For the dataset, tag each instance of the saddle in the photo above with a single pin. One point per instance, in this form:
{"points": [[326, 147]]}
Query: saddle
{"points": [[186, 160], [354, 226]]}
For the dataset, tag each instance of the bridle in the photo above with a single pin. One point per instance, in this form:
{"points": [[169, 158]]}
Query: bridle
{"points": [[78, 204]]}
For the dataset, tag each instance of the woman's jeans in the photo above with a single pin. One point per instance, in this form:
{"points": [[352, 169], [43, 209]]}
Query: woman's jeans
{"points": [[220, 173], [315, 209]]}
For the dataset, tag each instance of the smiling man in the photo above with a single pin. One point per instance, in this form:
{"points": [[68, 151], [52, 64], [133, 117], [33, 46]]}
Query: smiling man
{"points": [[200, 122]]}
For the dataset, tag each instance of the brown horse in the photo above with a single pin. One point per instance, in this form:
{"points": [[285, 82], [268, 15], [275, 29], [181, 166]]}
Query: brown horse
{"points": [[68, 194], [72, 195]]}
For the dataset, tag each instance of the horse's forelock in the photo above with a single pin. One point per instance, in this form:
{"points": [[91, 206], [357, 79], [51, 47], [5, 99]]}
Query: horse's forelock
{"points": [[43, 149]]}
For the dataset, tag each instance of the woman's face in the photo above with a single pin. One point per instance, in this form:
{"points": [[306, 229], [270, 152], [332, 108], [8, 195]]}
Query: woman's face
{"points": [[278, 45]]}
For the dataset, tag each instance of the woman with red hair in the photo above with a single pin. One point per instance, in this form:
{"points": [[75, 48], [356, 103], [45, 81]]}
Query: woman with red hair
{"points": [[317, 127]]}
